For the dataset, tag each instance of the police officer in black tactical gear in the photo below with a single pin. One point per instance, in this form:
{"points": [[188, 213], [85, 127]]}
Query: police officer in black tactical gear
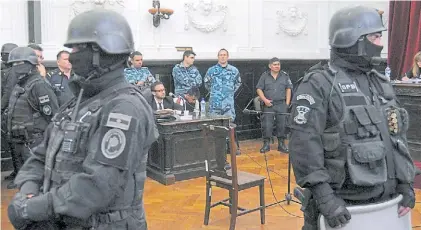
{"points": [[92, 162], [32, 104], [5, 68], [274, 90], [348, 133]]}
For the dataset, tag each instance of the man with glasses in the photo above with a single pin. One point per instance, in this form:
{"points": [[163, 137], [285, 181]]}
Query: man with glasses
{"points": [[159, 101], [348, 134]]}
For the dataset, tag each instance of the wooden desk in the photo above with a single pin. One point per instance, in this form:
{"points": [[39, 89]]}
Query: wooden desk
{"points": [[179, 153], [409, 96]]}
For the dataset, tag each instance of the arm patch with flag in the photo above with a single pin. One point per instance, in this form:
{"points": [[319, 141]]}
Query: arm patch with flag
{"points": [[117, 132], [118, 120]]}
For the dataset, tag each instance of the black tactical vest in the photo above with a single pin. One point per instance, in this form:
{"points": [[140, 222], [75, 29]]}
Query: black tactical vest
{"points": [[63, 161], [367, 148], [24, 118]]}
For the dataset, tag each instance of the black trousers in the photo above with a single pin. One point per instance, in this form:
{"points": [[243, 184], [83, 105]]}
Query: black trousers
{"points": [[271, 117], [20, 153]]}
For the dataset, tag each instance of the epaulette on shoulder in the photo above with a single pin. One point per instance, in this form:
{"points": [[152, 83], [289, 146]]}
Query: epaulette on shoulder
{"points": [[52, 72]]}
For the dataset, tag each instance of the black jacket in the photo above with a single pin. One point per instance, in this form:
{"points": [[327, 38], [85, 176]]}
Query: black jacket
{"points": [[167, 102]]}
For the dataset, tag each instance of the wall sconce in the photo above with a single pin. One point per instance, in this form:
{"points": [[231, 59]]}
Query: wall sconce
{"points": [[159, 13]]}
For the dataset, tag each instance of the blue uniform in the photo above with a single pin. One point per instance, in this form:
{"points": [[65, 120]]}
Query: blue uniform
{"points": [[185, 78], [222, 83], [134, 75]]}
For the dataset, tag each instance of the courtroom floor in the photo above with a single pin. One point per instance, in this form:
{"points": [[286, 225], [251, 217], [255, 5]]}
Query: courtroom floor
{"points": [[181, 206]]}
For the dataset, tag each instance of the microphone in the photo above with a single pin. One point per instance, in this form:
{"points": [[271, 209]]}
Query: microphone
{"points": [[184, 100], [171, 95], [247, 111]]}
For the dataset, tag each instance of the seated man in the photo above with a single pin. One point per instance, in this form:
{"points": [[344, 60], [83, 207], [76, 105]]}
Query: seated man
{"points": [[191, 96], [159, 101]]}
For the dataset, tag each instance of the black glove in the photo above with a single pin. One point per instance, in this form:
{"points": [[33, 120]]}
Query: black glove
{"points": [[17, 212], [408, 194], [330, 206], [40, 207]]}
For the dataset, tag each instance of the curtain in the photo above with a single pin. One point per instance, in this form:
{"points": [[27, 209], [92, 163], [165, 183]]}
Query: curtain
{"points": [[404, 35]]}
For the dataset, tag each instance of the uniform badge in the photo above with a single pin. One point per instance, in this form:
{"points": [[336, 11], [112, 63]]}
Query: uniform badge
{"points": [[300, 118], [348, 87], [118, 120], [44, 99], [306, 97], [113, 143], [46, 109]]}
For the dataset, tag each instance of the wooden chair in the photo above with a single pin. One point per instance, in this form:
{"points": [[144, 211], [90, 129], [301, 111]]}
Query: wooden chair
{"points": [[231, 180]]}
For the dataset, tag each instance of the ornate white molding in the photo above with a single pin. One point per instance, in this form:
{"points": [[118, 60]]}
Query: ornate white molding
{"points": [[79, 6], [292, 21], [205, 15]]}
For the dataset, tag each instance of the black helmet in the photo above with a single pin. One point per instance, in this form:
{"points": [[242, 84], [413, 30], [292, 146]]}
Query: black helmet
{"points": [[8, 47], [23, 54], [349, 24], [105, 28]]}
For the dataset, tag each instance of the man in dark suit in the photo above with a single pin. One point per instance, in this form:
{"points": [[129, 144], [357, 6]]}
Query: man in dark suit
{"points": [[159, 101]]}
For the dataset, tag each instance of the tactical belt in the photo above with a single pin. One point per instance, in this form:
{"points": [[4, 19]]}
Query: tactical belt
{"points": [[115, 216], [22, 139]]}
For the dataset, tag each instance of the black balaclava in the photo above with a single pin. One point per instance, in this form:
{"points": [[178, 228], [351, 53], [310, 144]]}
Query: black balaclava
{"points": [[91, 66], [22, 71], [363, 55]]}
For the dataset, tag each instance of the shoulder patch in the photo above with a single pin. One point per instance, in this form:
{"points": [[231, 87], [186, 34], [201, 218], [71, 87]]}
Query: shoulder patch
{"points": [[46, 109], [44, 99], [113, 143], [302, 115], [306, 97], [118, 120]]}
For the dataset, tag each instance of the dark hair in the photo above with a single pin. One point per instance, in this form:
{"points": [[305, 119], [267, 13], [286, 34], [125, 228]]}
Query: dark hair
{"points": [[194, 91], [223, 49], [274, 59], [62, 52], [188, 53], [135, 53], [35, 47], [155, 84]]}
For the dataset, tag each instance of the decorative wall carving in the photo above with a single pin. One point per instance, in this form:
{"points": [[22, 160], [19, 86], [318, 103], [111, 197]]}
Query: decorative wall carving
{"points": [[205, 15], [80, 6], [292, 21]]}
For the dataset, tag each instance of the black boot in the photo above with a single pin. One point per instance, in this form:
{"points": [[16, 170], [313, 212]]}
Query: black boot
{"points": [[266, 146], [11, 176], [281, 145], [11, 185]]}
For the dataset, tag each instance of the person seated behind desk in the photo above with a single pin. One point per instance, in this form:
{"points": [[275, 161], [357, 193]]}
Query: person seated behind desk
{"points": [[191, 96], [415, 71], [159, 101]]}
